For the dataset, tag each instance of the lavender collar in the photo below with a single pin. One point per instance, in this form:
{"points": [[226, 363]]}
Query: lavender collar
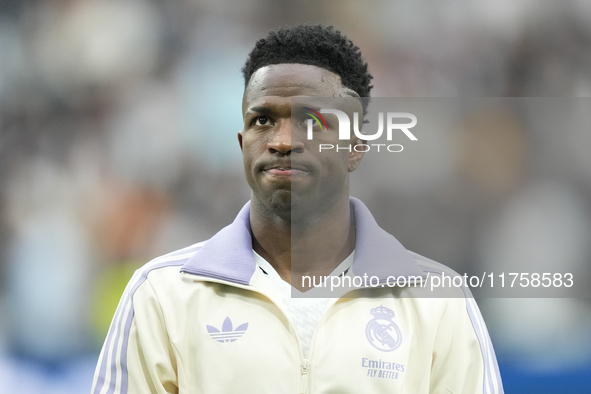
{"points": [[228, 254]]}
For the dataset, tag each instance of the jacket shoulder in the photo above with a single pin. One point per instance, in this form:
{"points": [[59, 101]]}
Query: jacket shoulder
{"points": [[160, 265], [432, 266], [442, 281]]}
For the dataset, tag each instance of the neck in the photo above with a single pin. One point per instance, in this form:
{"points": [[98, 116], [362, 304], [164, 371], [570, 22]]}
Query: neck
{"points": [[313, 246]]}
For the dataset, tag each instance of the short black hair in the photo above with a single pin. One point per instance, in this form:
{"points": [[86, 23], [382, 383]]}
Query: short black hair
{"points": [[315, 45]]}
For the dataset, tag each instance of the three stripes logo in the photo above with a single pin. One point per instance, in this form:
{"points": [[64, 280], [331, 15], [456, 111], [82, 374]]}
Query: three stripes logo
{"points": [[227, 333]]}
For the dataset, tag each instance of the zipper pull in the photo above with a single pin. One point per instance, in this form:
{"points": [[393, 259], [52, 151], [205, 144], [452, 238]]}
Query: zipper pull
{"points": [[304, 381]]}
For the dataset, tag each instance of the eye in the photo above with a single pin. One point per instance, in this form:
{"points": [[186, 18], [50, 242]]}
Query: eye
{"points": [[315, 124], [261, 121]]}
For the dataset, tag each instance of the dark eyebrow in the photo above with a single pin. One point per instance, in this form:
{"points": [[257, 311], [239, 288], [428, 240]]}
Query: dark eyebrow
{"points": [[260, 110], [310, 107]]}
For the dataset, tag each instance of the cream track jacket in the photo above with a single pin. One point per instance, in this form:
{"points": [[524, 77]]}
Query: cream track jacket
{"points": [[195, 321]]}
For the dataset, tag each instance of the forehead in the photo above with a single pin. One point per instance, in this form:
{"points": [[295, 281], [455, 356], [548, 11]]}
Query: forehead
{"points": [[289, 80]]}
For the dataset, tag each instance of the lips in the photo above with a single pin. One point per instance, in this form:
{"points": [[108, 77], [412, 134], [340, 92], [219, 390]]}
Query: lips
{"points": [[285, 172], [285, 169]]}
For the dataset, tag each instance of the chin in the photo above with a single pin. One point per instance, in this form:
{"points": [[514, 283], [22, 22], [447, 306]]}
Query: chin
{"points": [[296, 207], [289, 206], [279, 203]]}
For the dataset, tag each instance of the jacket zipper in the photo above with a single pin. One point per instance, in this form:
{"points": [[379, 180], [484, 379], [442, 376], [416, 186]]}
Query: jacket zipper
{"points": [[304, 379]]}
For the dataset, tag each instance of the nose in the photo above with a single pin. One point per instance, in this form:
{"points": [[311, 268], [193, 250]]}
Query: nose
{"points": [[283, 142]]}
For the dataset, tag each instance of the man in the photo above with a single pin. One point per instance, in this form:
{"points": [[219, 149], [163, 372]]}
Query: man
{"points": [[217, 317]]}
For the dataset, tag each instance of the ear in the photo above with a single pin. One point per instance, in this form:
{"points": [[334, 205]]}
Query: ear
{"points": [[240, 138], [354, 156]]}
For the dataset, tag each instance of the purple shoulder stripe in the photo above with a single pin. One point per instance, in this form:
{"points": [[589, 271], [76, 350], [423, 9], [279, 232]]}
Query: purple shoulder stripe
{"points": [[491, 367], [121, 325]]}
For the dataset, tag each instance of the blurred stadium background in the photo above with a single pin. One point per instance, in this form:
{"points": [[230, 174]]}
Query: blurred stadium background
{"points": [[118, 124]]}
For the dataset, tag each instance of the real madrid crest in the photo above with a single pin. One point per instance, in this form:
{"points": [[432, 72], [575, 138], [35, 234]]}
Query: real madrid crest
{"points": [[381, 331]]}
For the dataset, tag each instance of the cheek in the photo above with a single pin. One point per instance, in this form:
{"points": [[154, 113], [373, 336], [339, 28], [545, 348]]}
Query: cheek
{"points": [[251, 149], [336, 162], [255, 141]]}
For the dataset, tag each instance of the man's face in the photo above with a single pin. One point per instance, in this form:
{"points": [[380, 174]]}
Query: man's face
{"points": [[285, 170]]}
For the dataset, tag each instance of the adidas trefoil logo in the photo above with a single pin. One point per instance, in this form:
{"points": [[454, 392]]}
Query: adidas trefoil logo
{"points": [[227, 334]]}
